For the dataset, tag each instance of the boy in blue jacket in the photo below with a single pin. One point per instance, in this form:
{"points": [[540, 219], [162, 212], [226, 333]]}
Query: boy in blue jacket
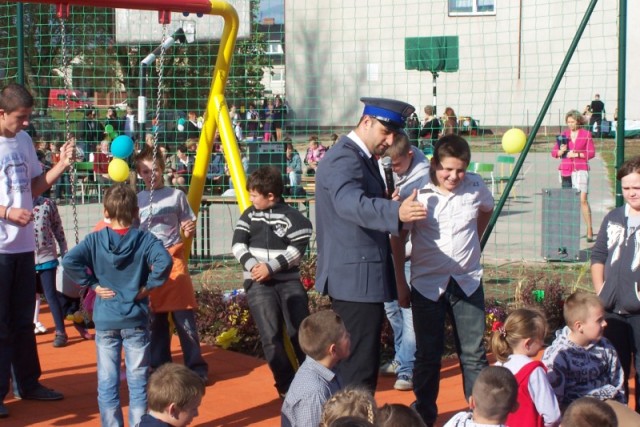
{"points": [[121, 264]]}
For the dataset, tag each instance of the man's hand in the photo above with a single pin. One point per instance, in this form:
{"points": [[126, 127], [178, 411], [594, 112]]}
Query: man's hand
{"points": [[260, 272], [19, 216], [66, 153], [188, 227], [404, 293], [412, 210]]}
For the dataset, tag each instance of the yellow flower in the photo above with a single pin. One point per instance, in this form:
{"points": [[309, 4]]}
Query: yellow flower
{"points": [[227, 338]]}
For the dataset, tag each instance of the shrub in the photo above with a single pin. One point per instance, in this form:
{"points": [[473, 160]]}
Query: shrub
{"points": [[224, 319], [545, 293]]}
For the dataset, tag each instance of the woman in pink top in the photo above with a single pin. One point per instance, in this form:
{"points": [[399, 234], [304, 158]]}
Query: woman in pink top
{"points": [[575, 147]]}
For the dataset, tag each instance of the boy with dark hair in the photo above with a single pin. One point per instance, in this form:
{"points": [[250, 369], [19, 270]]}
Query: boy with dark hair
{"points": [[325, 340], [21, 179], [494, 396], [174, 394], [269, 240], [166, 214], [446, 271], [122, 264]]}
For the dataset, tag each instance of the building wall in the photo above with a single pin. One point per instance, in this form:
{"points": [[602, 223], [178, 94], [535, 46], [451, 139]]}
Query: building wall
{"points": [[340, 50], [274, 84]]}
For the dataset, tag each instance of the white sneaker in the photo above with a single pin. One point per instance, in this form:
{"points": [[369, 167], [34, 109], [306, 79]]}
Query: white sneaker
{"points": [[403, 383], [389, 368], [39, 329]]}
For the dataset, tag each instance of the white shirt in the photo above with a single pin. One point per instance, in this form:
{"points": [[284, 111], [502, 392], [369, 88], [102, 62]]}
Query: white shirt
{"points": [[465, 419], [446, 244], [168, 209], [18, 166]]}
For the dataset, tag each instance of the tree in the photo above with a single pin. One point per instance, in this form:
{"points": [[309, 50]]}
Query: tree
{"points": [[100, 64]]}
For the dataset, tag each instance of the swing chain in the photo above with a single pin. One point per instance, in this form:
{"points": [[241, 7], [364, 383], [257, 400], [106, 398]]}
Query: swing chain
{"points": [[159, 97], [67, 109]]}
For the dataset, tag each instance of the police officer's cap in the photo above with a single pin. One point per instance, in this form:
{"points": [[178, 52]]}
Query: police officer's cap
{"points": [[390, 112]]}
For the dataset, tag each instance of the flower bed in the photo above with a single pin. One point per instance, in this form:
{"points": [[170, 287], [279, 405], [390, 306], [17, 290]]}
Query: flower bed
{"points": [[223, 317]]}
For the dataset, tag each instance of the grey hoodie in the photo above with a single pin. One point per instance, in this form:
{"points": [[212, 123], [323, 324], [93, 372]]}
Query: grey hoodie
{"points": [[415, 177]]}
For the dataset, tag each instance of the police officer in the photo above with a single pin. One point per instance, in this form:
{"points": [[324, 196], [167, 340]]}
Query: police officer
{"points": [[354, 219]]}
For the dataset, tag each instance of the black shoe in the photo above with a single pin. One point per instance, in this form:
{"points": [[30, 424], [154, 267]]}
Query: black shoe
{"points": [[41, 392], [4, 412]]}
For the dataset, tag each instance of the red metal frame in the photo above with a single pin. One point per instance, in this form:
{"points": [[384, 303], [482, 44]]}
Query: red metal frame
{"points": [[162, 6]]}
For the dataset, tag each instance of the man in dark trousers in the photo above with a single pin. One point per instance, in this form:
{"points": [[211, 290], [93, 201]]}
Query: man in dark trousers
{"points": [[597, 114], [354, 218]]}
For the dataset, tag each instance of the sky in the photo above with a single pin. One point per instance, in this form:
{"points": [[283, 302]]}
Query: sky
{"points": [[272, 9]]}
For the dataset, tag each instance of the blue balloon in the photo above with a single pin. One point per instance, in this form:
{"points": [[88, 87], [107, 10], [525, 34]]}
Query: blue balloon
{"points": [[122, 147]]}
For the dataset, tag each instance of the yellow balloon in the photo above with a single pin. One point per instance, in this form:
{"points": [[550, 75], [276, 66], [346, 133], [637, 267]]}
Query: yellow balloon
{"points": [[513, 141], [118, 170]]}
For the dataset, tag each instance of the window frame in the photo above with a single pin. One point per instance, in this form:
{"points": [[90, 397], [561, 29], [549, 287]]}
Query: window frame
{"points": [[474, 11]]}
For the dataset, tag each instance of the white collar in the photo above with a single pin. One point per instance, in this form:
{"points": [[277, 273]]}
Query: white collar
{"points": [[355, 138]]}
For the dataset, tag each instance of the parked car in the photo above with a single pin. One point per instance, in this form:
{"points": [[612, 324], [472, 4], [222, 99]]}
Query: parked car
{"points": [[57, 99]]}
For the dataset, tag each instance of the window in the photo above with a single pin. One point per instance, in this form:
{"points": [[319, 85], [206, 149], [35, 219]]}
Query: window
{"points": [[274, 49], [277, 76], [472, 7]]}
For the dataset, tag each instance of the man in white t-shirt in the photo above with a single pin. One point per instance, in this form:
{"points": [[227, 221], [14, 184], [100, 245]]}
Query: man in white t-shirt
{"points": [[21, 179]]}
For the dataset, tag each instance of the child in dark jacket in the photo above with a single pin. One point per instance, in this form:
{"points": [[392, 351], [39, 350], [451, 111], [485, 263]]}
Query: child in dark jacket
{"points": [[124, 263], [269, 241]]}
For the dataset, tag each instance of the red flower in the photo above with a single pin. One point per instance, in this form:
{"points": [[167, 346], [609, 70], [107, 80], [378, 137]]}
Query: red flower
{"points": [[496, 326], [308, 283]]}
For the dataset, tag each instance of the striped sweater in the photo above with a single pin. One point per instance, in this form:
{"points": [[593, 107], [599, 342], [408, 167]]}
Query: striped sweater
{"points": [[278, 236]]}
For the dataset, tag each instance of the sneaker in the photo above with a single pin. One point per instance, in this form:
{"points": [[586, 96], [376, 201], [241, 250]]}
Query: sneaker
{"points": [[60, 340], [39, 329], [389, 368], [84, 333], [42, 393], [403, 383], [4, 412]]}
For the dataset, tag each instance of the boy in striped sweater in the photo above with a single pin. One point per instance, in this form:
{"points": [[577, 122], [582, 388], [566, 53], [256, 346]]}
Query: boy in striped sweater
{"points": [[269, 241]]}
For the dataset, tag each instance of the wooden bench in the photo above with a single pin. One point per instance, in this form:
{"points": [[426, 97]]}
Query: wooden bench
{"points": [[309, 183]]}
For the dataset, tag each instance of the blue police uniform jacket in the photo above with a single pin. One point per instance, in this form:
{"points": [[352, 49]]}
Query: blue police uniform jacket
{"points": [[353, 220]]}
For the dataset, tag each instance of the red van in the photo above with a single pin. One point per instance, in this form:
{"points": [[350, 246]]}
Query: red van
{"points": [[76, 99]]}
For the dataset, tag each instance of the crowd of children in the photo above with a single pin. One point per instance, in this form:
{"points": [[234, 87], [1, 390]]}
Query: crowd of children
{"points": [[581, 379]]}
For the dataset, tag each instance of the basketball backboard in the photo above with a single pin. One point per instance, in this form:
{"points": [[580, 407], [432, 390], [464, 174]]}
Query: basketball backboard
{"points": [[141, 26]]}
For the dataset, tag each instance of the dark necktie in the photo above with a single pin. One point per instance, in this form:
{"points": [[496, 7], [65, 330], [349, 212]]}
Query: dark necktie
{"points": [[376, 170]]}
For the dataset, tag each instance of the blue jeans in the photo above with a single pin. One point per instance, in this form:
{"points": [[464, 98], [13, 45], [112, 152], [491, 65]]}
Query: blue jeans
{"points": [[273, 306], [109, 344], [468, 321], [294, 178], [404, 338], [48, 282], [185, 323], [17, 340]]}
